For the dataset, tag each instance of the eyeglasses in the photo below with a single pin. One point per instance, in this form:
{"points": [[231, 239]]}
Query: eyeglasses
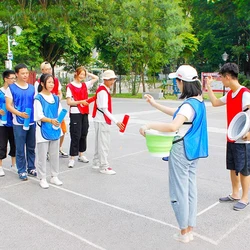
{"points": [[11, 78]]}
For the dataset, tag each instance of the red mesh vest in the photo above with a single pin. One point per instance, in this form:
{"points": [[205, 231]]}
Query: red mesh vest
{"points": [[108, 121], [234, 105], [56, 86], [80, 94]]}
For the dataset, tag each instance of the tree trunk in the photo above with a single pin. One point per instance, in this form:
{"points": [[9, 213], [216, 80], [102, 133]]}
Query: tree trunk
{"points": [[120, 84]]}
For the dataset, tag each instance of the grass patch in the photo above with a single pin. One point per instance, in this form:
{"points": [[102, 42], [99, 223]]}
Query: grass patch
{"points": [[123, 95], [127, 95], [166, 97], [218, 95]]}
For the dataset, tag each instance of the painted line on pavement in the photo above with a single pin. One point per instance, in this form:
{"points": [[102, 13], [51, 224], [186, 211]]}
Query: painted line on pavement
{"points": [[208, 208], [52, 224], [131, 212], [106, 204], [15, 184], [231, 230]]}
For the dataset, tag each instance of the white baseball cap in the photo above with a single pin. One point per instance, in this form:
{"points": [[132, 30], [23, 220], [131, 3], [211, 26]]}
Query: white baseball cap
{"points": [[186, 73], [108, 74]]}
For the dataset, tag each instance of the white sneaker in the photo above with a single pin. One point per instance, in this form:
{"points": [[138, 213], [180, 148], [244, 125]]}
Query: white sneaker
{"points": [[83, 159], [107, 171], [56, 181], [191, 236], [71, 163], [1, 172], [63, 154], [44, 184], [182, 237]]}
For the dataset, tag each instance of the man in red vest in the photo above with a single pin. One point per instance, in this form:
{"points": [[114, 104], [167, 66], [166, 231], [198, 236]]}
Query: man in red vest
{"points": [[102, 114], [57, 90], [238, 152]]}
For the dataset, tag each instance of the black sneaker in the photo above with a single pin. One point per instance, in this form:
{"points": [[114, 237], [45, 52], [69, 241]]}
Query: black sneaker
{"points": [[32, 172]]}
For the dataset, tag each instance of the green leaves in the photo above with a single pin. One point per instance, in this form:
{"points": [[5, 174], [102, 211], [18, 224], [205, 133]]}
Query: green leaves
{"points": [[131, 35]]}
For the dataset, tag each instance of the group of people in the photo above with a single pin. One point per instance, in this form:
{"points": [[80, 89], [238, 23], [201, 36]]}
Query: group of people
{"points": [[191, 143], [189, 119], [42, 140]]}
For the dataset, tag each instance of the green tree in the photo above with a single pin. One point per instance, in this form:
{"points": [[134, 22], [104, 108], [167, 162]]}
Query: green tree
{"points": [[53, 29], [142, 34], [221, 26]]}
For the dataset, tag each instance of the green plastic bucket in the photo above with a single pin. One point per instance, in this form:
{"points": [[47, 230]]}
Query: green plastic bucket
{"points": [[158, 143]]}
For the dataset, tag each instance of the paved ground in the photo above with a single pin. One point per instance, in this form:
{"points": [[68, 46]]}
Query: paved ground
{"points": [[130, 210]]}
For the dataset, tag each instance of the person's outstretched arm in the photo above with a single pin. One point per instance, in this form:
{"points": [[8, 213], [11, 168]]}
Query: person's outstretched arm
{"points": [[213, 99], [167, 110]]}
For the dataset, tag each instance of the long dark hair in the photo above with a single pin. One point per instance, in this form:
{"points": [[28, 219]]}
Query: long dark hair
{"points": [[43, 79], [190, 89]]}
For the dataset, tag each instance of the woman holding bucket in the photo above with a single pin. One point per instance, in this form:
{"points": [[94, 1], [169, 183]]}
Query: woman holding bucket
{"points": [[190, 144]]}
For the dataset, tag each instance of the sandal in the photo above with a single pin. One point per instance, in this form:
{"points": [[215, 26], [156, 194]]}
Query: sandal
{"points": [[228, 198], [240, 205]]}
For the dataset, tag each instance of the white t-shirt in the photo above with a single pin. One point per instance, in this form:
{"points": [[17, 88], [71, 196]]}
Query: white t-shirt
{"points": [[187, 111], [245, 98], [89, 85], [102, 104], [9, 95], [245, 103], [38, 115]]}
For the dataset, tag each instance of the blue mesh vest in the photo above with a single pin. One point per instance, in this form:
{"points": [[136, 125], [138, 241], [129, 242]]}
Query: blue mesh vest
{"points": [[22, 99], [50, 110], [196, 139], [9, 114]]}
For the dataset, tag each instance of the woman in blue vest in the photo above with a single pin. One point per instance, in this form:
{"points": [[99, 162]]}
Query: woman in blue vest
{"points": [[46, 110], [189, 145]]}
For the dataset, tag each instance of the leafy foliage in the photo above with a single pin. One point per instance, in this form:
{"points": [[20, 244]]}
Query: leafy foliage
{"points": [[133, 37], [221, 26]]}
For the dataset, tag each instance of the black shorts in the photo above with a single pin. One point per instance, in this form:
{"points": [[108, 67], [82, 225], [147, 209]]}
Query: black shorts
{"points": [[238, 157]]}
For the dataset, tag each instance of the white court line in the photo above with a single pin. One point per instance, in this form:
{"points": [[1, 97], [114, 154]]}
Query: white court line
{"points": [[215, 130], [208, 208], [138, 152], [15, 184], [52, 224], [131, 212], [109, 205], [232, 229], [103, 203]]}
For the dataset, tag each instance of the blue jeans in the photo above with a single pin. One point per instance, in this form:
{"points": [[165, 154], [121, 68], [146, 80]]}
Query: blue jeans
{"points": [[25, 138], [182, 186]]}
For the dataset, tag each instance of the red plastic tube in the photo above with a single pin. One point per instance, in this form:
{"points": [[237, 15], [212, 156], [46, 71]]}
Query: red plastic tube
{"points": [[91, 99], [125, 122]]}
